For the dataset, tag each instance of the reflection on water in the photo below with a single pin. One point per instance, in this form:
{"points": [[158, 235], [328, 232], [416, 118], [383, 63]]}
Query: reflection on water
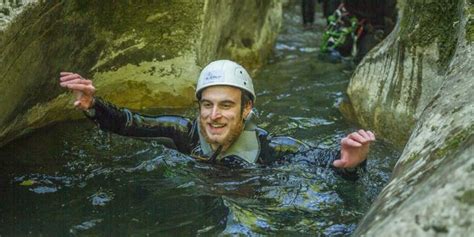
{"points": [[72, 179]]}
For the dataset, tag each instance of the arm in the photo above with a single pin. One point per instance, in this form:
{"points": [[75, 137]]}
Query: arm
{"points": [[275, 149], [343, 162], [326, 158], [124, 122]]}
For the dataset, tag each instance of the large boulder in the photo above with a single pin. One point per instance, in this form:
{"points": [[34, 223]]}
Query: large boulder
{"points": [[431, 192], [140, 55], [398, 78]]}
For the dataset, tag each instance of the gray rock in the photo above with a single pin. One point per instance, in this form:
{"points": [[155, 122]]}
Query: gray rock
{"points": [[431, 192], [398, 78]]}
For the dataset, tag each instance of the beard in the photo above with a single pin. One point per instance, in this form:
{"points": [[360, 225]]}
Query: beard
{"points": [[232, 135]]}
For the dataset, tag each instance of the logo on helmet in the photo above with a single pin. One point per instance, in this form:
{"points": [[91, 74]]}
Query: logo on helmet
{"points": [[213, 76]]}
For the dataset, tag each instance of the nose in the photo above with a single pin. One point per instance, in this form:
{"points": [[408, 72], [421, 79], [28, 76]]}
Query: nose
{"points": [[215, 113]]}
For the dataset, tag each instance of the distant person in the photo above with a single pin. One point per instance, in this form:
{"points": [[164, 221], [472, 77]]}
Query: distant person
{"points": [[307, 11], [355, 27], [329, 6], [224, 131], [376, 20], [339, 38]]}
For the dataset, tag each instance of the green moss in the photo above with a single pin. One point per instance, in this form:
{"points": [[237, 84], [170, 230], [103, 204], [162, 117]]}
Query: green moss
{"points": [[470, 22], [141, 31], [451, 145], [402, 124], [412, 157], [453, 142], [424, 23], [467, 197], [347, 110], [42, 42]]}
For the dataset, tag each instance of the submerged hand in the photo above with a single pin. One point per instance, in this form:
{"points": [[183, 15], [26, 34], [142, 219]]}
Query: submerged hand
{"points": [[82, 88], [354, 149]]}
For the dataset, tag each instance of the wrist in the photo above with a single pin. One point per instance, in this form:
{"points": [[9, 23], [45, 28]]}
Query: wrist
{"points": [[90, 111], [91, 104]]}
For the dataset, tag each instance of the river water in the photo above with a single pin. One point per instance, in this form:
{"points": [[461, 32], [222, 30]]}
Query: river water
{"points": [[72, 179]]}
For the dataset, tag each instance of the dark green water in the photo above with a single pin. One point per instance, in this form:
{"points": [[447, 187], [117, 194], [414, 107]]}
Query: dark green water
{"points": [[71, 179]]}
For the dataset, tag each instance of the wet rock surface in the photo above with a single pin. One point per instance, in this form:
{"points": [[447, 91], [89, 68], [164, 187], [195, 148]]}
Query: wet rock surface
{"points": [[430, 192], [9, 9], [139, 55]]}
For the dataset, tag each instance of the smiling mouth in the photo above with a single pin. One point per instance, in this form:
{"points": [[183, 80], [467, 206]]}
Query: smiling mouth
{"points": [[216, 125]]}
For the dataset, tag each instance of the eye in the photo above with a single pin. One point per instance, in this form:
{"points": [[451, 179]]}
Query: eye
{"points": [[226, 105], [206, 104]]}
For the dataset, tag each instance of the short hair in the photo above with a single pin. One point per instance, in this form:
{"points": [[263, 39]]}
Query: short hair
{"points": [[245, 97]]}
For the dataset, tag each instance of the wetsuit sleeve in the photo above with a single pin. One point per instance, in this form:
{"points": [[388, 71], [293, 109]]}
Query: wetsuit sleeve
{"points": [[124, 122], [287, 149], [325, 158], [273, 149]]}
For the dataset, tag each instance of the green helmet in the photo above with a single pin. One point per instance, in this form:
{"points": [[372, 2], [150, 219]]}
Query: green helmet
{"points": [[225, 73]]}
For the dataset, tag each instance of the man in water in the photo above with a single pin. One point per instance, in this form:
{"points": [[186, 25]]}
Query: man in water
{"points": [[224, 131]]}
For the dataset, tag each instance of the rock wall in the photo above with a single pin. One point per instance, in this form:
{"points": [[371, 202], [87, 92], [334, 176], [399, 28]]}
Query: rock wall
{"points": [[431, 192], [140, 54], [398, 78], [245, 32], [9, 9]]}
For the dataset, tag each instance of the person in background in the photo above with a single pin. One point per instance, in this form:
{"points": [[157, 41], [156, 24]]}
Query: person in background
{"points": [[355, 27], [307, 11], [329, 6]]}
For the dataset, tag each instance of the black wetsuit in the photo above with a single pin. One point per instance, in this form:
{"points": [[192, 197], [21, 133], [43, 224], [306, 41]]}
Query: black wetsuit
{"points": [[182, 134], [307, 9]]}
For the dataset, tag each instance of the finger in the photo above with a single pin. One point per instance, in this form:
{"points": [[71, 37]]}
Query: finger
{"points": [[339, 163], [87, 89], [76, 81], [371, 135], [70, 82], [357, 137], [364, 134], [70, 77], [65, 73], [350, 142]]}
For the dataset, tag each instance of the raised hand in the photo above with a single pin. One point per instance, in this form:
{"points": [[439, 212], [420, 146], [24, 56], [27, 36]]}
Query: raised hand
{"points": [[354, 149], [82, 88]]}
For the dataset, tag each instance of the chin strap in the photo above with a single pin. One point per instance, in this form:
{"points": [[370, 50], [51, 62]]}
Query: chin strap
{"points": [[212, 159]]}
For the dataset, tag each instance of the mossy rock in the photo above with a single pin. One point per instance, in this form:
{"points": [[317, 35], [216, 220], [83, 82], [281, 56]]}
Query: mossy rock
{"points": [[141, 55]]}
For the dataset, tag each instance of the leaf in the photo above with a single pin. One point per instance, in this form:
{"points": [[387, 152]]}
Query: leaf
{"points": [[28, 182]]}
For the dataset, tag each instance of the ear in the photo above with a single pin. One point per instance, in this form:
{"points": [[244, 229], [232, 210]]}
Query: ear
{"points": [[247, 109]]}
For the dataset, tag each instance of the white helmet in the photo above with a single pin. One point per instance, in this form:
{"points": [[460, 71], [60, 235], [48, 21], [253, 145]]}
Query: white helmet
{"points": [[225, 73]]}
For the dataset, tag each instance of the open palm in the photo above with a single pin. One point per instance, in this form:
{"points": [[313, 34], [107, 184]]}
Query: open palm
{"points": [[82, 88]]}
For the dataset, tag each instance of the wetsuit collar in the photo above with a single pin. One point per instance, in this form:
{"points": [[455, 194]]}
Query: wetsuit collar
{"points": [[246, 146]]}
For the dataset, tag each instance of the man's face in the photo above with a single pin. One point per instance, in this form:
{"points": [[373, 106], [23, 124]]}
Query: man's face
{"points": [[221, 118]]}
